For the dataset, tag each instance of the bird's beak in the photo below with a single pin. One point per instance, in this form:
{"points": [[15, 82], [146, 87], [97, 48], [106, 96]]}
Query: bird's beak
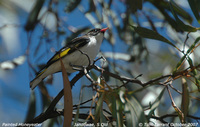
{"points": [[104, 29]]}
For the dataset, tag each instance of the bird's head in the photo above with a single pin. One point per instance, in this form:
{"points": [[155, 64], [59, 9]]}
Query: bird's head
{"points": [[97, 31]]}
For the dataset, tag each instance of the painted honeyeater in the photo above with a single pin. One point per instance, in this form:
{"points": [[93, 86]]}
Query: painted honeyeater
{"points": [[76, 52]]}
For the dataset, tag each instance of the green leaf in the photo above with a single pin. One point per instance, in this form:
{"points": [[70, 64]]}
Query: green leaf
{"points": [[147, 33], [180, 24], [187, 54], [197, 83], [105, 75], [76, 117], [191, 66], [194, 71], [163, 6], [134, 112], [129, 113], [110, 99], [119, 113], [32, 107], [181, 12], [98, 109], [33, 16], [115, 105], [71, 5], [185, 99], [134, 5], [194, 5], [156, 103]]}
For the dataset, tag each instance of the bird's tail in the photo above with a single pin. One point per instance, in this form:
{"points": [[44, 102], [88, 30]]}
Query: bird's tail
{"points": [[40, 76]]}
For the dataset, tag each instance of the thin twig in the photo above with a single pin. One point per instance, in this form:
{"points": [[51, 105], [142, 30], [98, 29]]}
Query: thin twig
{"points": [[187, 37], [50, 109], [121, 78], [46, 115], [88, 76]]}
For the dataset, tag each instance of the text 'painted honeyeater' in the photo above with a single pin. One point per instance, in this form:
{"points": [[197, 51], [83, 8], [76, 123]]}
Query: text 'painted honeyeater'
{"points": [[76, 52]]}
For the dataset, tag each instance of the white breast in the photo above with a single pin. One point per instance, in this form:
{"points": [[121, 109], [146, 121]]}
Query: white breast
{"points": [[91, 49]]}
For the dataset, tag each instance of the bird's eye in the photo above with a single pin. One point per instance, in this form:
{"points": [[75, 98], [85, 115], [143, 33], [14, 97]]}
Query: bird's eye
{"points": [[94, 32]]}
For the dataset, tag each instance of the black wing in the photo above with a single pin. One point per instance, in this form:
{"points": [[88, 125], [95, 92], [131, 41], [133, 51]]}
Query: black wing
{"points": [[74, 44]]}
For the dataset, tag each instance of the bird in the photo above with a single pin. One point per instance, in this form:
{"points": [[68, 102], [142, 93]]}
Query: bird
{"points": [[80, 51]]}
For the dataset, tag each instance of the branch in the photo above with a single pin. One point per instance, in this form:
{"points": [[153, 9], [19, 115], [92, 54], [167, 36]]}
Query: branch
{"points": [[121, 78], [88, 76], [50, 112], [161, 118]]}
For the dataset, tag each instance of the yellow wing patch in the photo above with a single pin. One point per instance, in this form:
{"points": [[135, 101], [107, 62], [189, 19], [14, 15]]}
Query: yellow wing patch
{"points": [[62, 54], [55, 58]]}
